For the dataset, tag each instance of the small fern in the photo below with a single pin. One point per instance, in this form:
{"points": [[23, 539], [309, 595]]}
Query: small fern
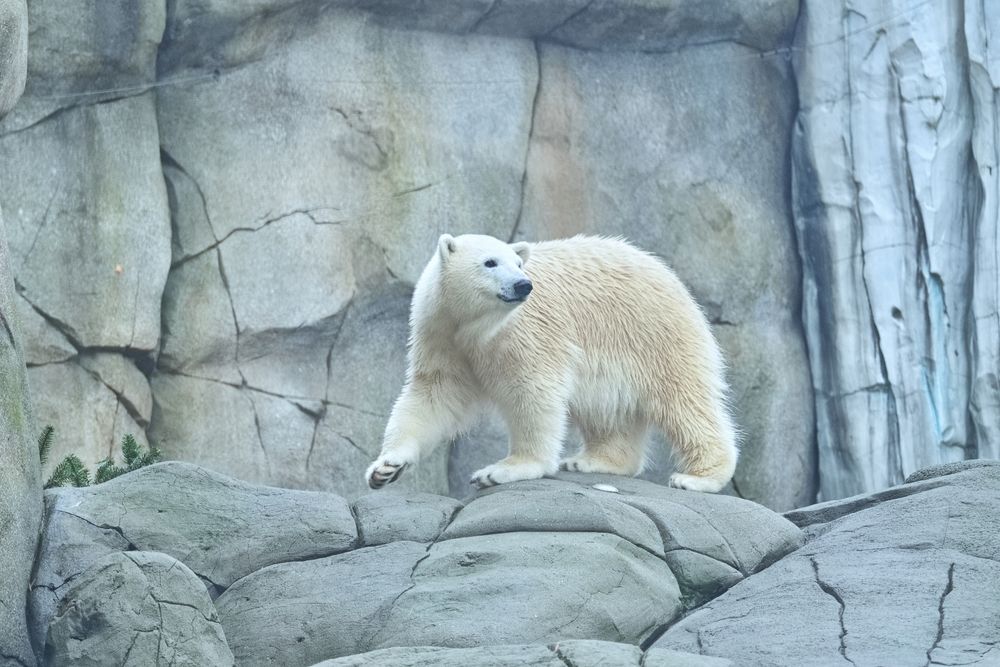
{"points": [[44, 443], [69, 472], [72, 472]]}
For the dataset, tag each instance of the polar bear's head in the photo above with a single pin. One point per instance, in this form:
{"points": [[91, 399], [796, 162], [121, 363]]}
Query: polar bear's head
{"points": [[481, 273]]}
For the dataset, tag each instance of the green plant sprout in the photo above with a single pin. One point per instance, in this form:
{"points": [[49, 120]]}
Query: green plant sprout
{"points": [[72, 472]]}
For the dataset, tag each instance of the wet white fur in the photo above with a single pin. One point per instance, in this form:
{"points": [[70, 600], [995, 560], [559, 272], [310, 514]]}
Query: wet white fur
{"points": [[609, 338]]}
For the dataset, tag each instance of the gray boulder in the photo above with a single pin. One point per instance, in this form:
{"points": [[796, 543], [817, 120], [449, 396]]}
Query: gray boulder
{"points": [[394, 516], [303, 612], [537, 561], [221, 528], [137, 608], [909, 577]]}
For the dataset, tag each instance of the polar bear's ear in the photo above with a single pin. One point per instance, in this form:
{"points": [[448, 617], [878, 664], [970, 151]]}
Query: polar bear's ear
{"points": [[522, 249], [446, 246]]}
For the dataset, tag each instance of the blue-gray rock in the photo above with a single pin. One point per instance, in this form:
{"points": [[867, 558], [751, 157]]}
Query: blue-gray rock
{"points": [[908, 578], [136, 608], [393, 516], [221, 528], [570, 653], [895, 187]]}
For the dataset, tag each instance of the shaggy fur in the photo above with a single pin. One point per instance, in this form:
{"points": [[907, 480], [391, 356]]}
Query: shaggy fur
{"points": [[608, 337]]}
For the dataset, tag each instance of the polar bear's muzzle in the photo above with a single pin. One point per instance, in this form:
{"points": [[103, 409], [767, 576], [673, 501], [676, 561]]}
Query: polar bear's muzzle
{"points": [[517, 292]]}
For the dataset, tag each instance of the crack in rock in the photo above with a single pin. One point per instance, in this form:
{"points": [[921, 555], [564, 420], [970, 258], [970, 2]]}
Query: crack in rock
{"points": [[948, 588], [527, 144], [832, 592]]}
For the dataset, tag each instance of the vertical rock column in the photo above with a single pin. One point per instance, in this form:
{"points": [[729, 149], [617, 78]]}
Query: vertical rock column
{"points": [[895, 196], [20, 489]]}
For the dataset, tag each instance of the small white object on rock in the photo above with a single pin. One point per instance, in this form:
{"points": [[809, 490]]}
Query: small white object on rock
{"points": [[606, 487]]}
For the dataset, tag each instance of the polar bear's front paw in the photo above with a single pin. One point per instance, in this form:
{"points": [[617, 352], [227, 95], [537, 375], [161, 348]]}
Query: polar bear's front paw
{"points": [[695, 483], [384, 472], [508, 471]]}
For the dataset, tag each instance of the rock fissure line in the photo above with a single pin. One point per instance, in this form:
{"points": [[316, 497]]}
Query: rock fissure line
{"points": [[116, 529], [59, 111], [562, 24], [948, 588], [832, 592], [167, 158], [527, 143], [494, 5]]}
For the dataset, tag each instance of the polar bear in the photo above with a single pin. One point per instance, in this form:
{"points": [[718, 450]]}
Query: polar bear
{"points": [[587, 329]]}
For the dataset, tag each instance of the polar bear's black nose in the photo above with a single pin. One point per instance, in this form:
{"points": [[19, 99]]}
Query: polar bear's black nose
{"points": [[522, 288]]}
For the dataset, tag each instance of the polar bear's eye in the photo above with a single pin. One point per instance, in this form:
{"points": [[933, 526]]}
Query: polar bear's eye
{"points": [[490, 263]]}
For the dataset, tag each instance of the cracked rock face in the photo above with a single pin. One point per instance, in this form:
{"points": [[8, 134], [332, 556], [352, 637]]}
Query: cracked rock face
{"points": [[300, 577], [221, 528], [895, 191], [20, 507], [535, 561], [910, 575], [137, 608]]}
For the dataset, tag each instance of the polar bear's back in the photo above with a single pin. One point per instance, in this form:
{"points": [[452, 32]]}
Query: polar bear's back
{"points": [[628, 316], [595, 284]]}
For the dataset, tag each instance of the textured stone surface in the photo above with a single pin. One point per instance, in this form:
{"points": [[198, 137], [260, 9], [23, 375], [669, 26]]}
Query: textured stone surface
{"points": [[895, 186], [137, 608], [90, 416], [221, 528], [82, 52], [393, 516], [304, 273], [13, 52], [20, 498], [906, 579], [88, 221], [673, 173], [574, 653], [536, 561], [301, 613], [89, 232], [20, 485], [640, 25]]}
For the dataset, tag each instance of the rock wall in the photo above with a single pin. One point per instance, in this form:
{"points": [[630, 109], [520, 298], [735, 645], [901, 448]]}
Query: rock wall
{"points": [[896, 192], [218, 210], [20, 488]]}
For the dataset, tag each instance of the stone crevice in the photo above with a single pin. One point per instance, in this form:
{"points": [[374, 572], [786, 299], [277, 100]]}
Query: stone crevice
{"points": [[949, 587], [527, 144], [832, 592]]}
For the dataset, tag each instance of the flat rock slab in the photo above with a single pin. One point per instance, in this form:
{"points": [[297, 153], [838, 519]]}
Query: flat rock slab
{"points": [[709, 541], [137, 608], [472, 591], [910, 578], [301, 613], [572, 653], [389, 516], [221, 528]]}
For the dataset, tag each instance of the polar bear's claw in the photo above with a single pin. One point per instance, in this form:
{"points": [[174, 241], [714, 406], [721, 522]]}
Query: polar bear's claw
{"points": [[382, 473]]}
